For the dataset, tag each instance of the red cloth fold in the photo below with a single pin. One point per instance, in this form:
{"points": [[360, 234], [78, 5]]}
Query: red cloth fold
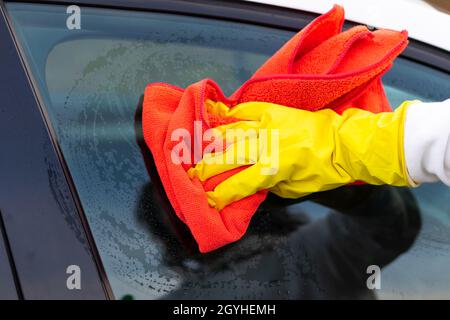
{"points": [[320, 67]]}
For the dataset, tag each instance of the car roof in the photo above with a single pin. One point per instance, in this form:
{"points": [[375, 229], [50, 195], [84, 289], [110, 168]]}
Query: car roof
{"points": [[423, 21]]}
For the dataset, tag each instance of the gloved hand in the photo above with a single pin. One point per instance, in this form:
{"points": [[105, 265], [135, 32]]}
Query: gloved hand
{"points": [[302, 152]]}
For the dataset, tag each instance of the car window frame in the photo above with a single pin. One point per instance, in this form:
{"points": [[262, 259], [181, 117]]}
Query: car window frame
{"points": [[10, 288], [38, 173]]}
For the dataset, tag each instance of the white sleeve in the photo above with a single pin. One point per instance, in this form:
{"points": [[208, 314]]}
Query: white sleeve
{"points": [[427, 142]]}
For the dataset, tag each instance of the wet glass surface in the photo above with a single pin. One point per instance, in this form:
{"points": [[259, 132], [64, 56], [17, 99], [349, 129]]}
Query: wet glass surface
{"points": [[91, 81]]}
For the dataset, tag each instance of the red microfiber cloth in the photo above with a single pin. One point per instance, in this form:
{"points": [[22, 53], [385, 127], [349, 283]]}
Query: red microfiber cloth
{"points": [[320, 67]]}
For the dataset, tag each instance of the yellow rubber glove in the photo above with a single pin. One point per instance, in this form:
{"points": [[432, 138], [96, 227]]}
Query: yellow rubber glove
{"points": [[304, 152]]}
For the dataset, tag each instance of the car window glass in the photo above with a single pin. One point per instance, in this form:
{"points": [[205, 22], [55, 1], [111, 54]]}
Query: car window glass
{"points": [[91, 81]]}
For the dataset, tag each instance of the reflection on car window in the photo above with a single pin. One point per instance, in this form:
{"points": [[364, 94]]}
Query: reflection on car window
{"points": [[91, 81]]}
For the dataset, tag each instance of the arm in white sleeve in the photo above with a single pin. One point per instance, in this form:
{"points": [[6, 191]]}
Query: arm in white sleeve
{"points": [[427, 142]]}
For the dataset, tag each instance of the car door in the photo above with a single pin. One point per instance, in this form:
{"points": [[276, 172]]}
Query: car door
{"points": [[8, 288], [44, 232], [89, 79]]}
